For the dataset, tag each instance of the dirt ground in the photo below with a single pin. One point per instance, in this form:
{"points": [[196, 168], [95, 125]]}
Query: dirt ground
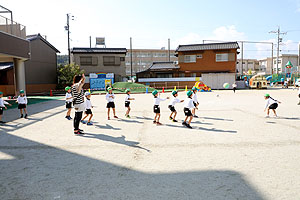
{"points": [[232, 152]]}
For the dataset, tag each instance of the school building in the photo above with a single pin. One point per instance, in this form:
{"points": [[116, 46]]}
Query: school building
{"points": [[213, 63]]}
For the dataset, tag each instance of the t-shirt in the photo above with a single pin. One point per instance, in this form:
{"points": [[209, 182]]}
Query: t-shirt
{"points": [[299, 91], [270, 101], [189, 103], [78, 96], [127, 97], [174, 101], [88, 104], [195, 97], [3, 103], [22, 100], [157, 100], [69, 95], [110, 97]]}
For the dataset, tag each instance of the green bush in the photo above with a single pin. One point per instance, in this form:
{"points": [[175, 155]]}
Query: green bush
{"points": [[65, 74]]}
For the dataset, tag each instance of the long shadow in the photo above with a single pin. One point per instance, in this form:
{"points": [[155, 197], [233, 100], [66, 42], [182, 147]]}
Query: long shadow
{"points": [[130, 121], [216, 130], [178, 126], [107, 126], [202, 123], [36, 171], [289, 118], [144, 118], [118, 140], [219, 119]]}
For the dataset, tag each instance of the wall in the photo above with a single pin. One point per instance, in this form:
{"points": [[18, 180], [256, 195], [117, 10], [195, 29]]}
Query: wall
{"points": [[7, 89], [14, 46], [39, 88], [216, 80]]}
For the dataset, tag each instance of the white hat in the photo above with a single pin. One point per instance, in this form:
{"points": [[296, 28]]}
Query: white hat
{"points": [[87, 94]]}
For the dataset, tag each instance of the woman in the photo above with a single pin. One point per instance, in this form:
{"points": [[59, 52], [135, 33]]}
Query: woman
{"points": [[78, 101]]}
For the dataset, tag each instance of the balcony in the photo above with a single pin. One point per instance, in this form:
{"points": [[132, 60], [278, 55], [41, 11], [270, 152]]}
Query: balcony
{"points": [[12, 28]]}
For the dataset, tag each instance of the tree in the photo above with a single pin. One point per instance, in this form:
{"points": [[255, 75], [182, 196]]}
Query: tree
{"points": [[65, 74]]}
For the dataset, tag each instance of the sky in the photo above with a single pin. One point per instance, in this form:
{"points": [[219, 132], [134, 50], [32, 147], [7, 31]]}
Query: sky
{"points": [[151, 23]]}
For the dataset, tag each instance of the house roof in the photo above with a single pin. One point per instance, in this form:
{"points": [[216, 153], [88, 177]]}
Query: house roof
{"points": [[208, 46], [38, 36], [161, 66], [99, 50]]}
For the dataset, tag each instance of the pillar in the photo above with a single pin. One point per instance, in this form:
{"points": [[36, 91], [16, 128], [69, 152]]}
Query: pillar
{"points": [[19, 68]]}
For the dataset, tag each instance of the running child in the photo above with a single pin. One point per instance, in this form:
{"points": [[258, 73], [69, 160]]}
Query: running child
{"points": [[88, 107], [2, 107], [22, 102], [271, 104], [69, 100], [188, 105], [156, 107], [171, 105], [110, 97], [195, 100], [127, 102]]}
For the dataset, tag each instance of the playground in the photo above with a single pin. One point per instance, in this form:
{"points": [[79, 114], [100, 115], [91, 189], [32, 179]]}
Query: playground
{"points": [[232, 152]]}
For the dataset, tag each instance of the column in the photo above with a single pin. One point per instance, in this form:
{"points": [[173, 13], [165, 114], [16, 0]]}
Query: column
{"points": [[19, 68]]}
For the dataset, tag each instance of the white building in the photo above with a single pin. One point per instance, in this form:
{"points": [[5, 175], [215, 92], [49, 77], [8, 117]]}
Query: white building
{"points": [[246, 65], [266, 64]]}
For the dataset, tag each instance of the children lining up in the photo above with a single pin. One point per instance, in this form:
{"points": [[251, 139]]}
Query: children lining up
{"points": [[171, 105], [156, 108]]}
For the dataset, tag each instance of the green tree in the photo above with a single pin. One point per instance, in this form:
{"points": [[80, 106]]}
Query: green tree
{"points": [[65, 74]]}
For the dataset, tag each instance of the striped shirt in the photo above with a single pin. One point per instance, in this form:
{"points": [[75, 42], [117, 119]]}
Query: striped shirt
{"points": [[78, 96]]}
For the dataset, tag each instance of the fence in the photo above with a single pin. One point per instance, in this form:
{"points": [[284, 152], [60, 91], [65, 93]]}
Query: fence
{"points": [[12, 28]]}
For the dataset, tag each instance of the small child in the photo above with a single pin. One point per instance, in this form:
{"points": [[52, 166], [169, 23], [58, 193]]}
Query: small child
{"points": [[299, 95], [2, 107], [172, 105], [188, 105], [110, 97], [88, 107], [22, 102], [195, 100], [156, 107], [127, 102], [271, 104], [69, 100]]}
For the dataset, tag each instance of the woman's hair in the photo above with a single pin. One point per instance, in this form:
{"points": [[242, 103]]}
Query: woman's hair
{"points": [[77, 78]]}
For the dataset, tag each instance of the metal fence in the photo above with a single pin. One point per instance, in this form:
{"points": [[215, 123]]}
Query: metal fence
{"points": [[12, 28]]}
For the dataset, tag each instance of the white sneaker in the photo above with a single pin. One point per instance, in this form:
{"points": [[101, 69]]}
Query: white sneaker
{"points": [[267, 116]]}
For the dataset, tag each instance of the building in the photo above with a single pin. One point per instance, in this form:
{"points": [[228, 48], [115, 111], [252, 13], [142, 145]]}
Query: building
{"points": [[105, 60], [247, 66], [41, 69], [267, 63], [142, 59], [194, 62]]}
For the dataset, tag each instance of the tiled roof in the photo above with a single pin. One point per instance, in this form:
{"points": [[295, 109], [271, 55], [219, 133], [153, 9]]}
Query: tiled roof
{"points": [[162, 66], [98, 50], [208, 46], [38, 36]]}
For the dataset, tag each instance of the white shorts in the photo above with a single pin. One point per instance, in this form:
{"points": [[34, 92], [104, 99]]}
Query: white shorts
{"points": [[79, 107]]}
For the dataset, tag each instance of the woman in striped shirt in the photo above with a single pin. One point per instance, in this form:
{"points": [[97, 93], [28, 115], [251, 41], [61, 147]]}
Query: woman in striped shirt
{"points": [[78, 101]]}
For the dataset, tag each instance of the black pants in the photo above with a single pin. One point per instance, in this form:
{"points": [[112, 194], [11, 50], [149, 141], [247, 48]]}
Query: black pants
{"points": [[77, 118]]}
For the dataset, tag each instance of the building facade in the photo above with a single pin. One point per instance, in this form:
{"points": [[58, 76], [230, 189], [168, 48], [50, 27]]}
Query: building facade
{"points": [[142, 59], [247, 66], [267, 63], [105, 60]]}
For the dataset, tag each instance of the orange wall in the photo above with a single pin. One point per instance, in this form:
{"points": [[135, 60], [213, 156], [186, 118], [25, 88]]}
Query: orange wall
{"points": [[208, 62], [7, 89]]}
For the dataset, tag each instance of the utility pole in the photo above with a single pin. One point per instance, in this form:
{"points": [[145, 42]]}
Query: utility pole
{"points": [[67, 28], [242, 56], [131, 58], [169, 55], [279, 39], [272, 66]]}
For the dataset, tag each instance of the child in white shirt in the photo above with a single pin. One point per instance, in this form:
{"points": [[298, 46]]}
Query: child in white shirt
{"points": [[171, 105], [195, 100], [188, 105], [299, 95], [156, 107], [2, 107], [88, 109], [22, 102], [127, 102], [271, 104], [69, 100], [110, 97]]}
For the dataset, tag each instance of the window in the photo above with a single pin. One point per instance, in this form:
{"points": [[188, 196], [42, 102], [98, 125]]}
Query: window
{"points": [[181, 74], [86, 60], [193, 75], [108, 60], [190, 58], [122, 59], [199, 56], [279, 61], [222, 57], [250, 63], [164, 75]]}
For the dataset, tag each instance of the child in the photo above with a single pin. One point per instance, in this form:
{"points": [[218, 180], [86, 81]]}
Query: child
{"points": [[127, 102], [88, 107], [299, 95], [110, 97], [271, 104], [156, 107], [195, 100], [188, 105], [2, 107], [69, 100], [22, 102], [172, 104]]}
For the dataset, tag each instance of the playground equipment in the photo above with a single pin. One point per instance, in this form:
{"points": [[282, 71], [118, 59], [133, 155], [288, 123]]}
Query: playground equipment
{"points": [[202, 87], [258, 82]]}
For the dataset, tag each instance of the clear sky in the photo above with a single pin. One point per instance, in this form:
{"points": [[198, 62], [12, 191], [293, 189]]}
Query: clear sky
{"points": [[151, 23]]}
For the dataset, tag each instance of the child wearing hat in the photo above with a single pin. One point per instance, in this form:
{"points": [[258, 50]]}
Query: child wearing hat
{"points": [[156, 107], [188, 105], [271, 104], [110, 97], [69, 100], [171, 105], [195, 100], [2, 106], [22, 102], [127, 102], [88, 109]]}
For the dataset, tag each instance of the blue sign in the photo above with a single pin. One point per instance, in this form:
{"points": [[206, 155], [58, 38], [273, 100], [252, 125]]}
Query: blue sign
{"points": [[97, 83]]}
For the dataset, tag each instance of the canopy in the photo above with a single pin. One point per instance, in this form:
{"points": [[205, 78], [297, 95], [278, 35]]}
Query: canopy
{"points": [[289, 64]]}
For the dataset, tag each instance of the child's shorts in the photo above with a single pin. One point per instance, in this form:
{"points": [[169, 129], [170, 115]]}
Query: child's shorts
{"points": [[156, 109], [21, 106], [299, 95], [172, 108], [1, 110], [195, 104], [88, 111], [187, 112], [273, 106], [68, 105], [110, 105], [127, 104]]}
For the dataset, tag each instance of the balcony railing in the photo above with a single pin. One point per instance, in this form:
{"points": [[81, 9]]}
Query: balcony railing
{"points": [[12, 28]]}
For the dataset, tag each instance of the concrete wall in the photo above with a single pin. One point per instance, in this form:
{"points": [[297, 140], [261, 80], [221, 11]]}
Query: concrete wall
{"points": [[216, 80]]}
